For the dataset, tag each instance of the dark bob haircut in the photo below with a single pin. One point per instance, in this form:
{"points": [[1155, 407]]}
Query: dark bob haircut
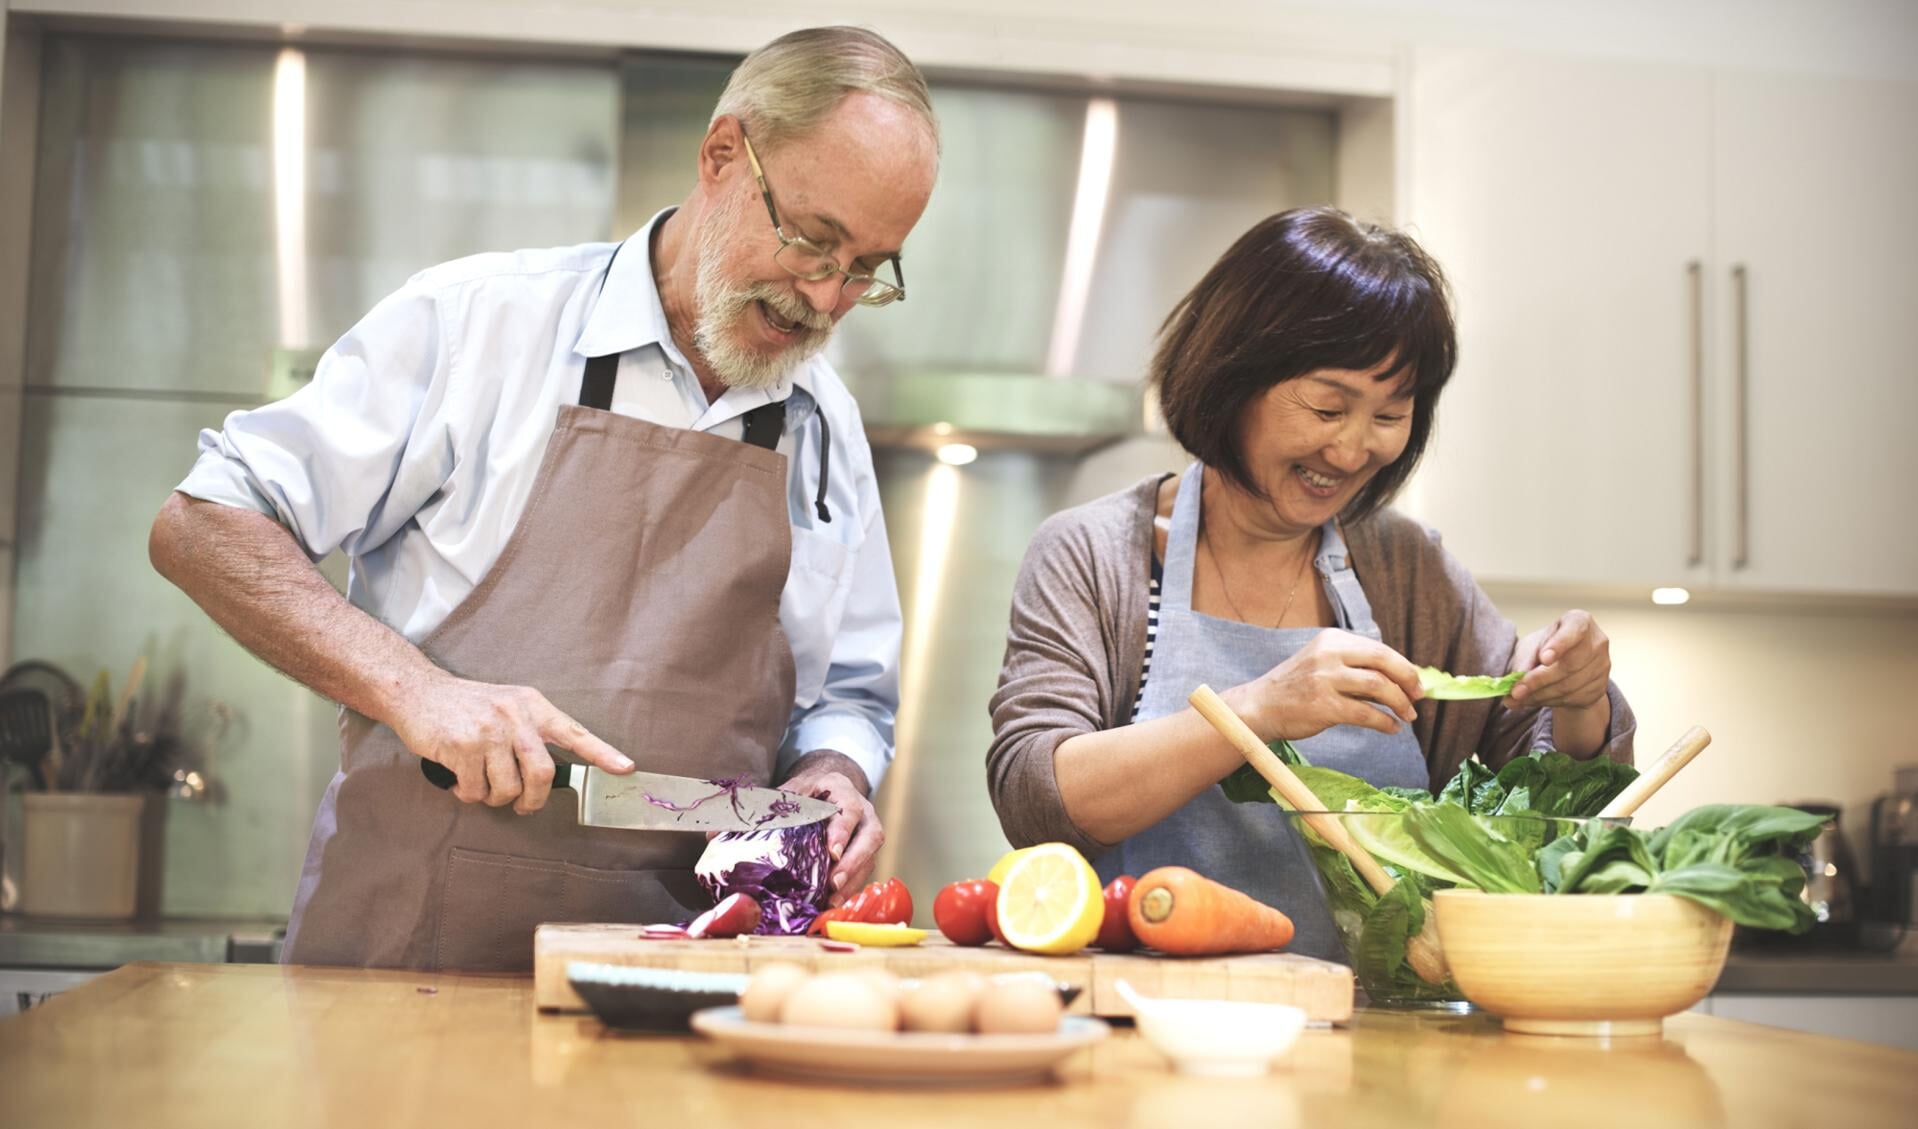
{"points": [[1307, 289]]}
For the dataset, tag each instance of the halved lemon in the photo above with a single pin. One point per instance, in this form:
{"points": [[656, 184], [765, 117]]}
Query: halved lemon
{"points": [[866, 933], [997, 875], [1050, 901]]}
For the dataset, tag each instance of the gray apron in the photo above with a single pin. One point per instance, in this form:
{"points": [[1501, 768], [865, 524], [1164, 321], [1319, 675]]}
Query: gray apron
{"points": [[640, 594], [1252, 847]]}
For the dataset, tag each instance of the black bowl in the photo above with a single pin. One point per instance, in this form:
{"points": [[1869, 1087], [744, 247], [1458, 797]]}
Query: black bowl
{"points": [[651, 999]]}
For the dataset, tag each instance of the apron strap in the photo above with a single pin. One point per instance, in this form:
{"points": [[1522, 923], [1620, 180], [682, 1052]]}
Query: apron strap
{"points": [[1349, 604], [596, 390], [764, 424]]}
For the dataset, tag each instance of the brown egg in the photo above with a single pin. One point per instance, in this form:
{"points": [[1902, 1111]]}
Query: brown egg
{"points": [[766, 992], [844, 1000], [885, 982], [1019, 1007], [946, 1002]]}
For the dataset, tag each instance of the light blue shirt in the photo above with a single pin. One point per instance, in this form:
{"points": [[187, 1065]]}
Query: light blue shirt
{"points": [[415, 447]]}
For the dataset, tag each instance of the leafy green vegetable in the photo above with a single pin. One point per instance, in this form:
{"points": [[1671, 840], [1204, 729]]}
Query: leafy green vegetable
{"points": [[1336, 791], [1442, 687], [1736, 859], [1556, 784], [1390, 838], [1473, 847], [1516, 831]]}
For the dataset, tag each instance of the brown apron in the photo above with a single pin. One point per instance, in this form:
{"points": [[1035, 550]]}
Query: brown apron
{"points": [[640, 593]]}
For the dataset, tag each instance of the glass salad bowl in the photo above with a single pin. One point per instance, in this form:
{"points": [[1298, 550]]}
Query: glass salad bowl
{"points": [[1424, 848]]}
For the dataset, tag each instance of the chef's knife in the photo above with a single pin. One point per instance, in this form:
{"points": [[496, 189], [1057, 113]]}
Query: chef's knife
{"points": [[651, 801]]}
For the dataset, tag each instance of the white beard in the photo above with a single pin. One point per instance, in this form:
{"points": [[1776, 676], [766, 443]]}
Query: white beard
{"points": [[723, 308]]}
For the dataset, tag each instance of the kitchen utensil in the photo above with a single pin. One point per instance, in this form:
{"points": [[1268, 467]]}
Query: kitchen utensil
{"points": [[1321, 988], [651, 999], [1215, 1038], [914, 1058], [134, 678], [1829, 875], [1423, 951], [1582, 964], [1894, 861], [1689, 745], [26, 732], [652, 801]]}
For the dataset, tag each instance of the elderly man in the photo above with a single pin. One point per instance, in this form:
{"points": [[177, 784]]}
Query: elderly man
{"points": [[607, 498]]}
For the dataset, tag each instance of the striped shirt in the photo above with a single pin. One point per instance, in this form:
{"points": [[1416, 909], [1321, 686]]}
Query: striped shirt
{"points": [[1151, 633]]}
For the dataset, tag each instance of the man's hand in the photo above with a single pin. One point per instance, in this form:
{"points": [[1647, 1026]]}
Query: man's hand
{"points": [[854, 835], [494, 739]]}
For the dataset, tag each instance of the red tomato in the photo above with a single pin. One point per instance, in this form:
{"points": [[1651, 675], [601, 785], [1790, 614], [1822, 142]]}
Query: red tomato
{"points": [[881, 903], [1115, 933], [894, 904], [960, 911]]}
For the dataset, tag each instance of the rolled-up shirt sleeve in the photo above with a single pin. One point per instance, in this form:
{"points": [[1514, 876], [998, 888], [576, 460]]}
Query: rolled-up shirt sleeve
{"points": [[855, 711], [330, 461]]}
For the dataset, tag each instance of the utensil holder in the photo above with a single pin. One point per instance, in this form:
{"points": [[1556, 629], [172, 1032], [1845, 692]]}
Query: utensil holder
{"points": [[80, 855]]}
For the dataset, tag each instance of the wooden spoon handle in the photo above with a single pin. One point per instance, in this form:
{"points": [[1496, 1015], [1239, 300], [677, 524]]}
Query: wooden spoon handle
{"points": [[1296, 792], [1654, 778]]}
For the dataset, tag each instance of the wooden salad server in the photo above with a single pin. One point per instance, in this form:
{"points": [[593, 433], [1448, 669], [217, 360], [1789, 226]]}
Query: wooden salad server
{"points": [[1654, 778]]}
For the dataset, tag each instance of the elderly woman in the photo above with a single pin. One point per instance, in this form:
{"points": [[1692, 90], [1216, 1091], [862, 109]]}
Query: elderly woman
{"points": [[1302, 374]]}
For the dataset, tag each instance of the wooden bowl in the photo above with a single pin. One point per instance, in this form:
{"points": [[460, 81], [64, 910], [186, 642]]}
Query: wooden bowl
{"points": [[1581, 964]]}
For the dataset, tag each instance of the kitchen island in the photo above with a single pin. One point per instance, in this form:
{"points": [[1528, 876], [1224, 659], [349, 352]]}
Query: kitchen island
{"points": [[164, 1045]]}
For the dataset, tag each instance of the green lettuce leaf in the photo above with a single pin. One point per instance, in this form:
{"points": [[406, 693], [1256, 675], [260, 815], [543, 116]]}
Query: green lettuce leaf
{"points": [[1442, 687], [1473, 848]]}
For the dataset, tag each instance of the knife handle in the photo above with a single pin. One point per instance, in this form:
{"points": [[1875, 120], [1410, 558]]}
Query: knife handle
{"points": [[442, 777]]}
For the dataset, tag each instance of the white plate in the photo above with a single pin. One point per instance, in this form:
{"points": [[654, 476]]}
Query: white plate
{"points": [[897, 1058]]}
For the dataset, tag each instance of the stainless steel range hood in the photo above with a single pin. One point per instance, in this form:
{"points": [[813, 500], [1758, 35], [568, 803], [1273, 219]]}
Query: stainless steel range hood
{"points": [[994, 412]]}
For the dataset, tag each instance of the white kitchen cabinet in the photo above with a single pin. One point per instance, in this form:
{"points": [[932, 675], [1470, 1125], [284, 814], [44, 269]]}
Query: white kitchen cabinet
{"points": [[1680, 294], [1815, 181], [1564, 199]]}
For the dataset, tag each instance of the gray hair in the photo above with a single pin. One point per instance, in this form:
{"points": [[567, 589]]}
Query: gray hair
{"points": [[794, 83]]}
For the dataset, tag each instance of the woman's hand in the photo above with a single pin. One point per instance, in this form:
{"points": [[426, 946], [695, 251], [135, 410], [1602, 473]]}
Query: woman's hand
{"points": [[1337, 679], [1567, 664], [1568, 667]]}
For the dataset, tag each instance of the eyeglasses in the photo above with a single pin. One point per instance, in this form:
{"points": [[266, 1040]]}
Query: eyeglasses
{"points": [[802, 258]]}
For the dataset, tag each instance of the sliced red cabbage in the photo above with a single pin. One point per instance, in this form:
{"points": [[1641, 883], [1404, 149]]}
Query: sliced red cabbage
{"points": [[786, 870]]}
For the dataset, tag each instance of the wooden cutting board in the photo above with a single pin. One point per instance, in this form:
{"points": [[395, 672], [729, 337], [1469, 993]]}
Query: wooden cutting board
{"points": [[1320, 987]]}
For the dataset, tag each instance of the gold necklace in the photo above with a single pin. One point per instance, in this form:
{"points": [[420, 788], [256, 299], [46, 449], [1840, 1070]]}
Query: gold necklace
{"points": [[1212, 555]]}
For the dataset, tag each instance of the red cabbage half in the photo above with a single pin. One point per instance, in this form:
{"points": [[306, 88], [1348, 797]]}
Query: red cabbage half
{"points": [[787, 871]]}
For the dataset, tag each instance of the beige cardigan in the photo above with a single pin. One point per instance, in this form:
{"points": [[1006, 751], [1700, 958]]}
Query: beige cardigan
{"points": [[1076, 645]]}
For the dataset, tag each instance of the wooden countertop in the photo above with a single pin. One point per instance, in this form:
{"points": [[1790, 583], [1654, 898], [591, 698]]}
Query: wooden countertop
{"points": [[162, 1045]]}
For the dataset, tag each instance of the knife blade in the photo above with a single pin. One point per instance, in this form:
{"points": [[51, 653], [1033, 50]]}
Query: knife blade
{"points": [[653, 801]]}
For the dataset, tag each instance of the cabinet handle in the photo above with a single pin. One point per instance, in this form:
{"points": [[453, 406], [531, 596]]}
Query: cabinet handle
{"points": [[1695, 274], [1741, 437]]}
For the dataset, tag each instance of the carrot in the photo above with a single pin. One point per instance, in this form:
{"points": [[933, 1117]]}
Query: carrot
{"points": [[1180, 911]]}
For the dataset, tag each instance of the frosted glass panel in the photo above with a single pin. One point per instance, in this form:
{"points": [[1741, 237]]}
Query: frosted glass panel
{"points": [[87, 598], [162, 257], [159, 165]]}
